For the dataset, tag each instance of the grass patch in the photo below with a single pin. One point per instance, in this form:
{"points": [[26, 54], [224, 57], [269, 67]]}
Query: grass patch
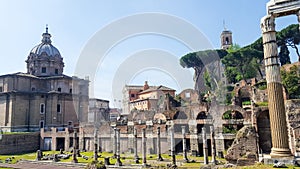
{"points": [[261, 103]]}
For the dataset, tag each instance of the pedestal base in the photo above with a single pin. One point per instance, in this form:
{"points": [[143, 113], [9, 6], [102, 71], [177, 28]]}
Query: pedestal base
{"points": [[285, 160], [280, 152]]}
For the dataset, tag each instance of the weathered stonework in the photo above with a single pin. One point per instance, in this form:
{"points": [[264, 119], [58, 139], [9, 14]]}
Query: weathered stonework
{"points": [[293, 116], [245, 143], [19, 143]]}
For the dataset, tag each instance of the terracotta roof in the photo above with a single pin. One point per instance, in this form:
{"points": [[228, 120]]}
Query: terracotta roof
{"points": [[155, 88]]}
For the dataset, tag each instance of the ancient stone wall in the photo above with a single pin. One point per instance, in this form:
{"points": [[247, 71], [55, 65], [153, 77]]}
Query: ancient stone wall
{"points": [[244, 144], [293, 116], [19, 143]]}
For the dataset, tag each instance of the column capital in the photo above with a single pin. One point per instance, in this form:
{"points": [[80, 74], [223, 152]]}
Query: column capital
{"points": [[267, 23]]}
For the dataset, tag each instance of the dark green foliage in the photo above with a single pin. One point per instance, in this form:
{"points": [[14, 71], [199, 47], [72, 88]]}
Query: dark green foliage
{"points": [[261, 85], [229, 88], [289, 37], [201, 58], [175, 102], [284, 55], [245, 62], [246, 103], [229, 129], [227, 115], [242, 64], [290, 80], [228, 98], [207, 80]]}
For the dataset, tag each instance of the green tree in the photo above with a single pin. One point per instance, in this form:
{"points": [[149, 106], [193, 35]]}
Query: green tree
{"points": [[245, 60], [290, 79], [199, 60], [289, 37], [284, 55]]}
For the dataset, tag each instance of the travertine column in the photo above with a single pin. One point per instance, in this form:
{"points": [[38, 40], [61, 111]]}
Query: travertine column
{"points": [[144, 148], [159, 158], [213, 146], [205, 148], [184, 144], [277, 114], [115, 142], [298, 16], [74, 160], [118, 162], [95, 145], [136, 157], [171, 130]]}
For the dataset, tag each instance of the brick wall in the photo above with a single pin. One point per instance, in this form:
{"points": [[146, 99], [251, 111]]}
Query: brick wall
{"points": [[19, 143]]}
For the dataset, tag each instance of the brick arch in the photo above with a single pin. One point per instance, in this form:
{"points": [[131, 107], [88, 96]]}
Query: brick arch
{"points": [[180, 115], [235, 108], [201, 115], [160, 116]]}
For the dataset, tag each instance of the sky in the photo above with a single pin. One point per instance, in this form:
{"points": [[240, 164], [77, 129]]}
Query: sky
{"points": [[126, 41]]}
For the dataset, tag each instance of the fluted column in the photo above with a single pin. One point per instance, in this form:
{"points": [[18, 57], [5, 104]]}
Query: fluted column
{"points": [[298, 16], [278, 124]]}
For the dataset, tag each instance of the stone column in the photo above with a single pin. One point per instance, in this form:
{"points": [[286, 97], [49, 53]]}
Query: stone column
{"points": [[67, 141], [115, 142], [74, 160], [194, 141], [118, 162], [136, 157], [171, 130], [298, 16], [95, 145], [184, 145], [205, 148], [277, 114], [144, 148], [159, 157], [213, 146]]}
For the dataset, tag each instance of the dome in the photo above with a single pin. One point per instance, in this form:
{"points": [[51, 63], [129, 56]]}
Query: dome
{"points": [[45, 46], [49, 49], [44, 59]]}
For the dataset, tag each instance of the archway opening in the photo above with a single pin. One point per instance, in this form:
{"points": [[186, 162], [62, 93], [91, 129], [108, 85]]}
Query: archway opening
{"points": [[264, 132], [180, 119]]}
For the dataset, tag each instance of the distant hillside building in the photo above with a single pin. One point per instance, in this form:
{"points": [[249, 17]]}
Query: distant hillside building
{"points": [[145, 97], [226, 39], [43, 97]]}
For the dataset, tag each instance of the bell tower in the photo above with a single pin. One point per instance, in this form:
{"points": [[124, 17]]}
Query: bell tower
{"points": [[226, 38]]}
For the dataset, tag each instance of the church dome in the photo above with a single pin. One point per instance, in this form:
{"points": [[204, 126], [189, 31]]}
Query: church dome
{"points": [[49, 49], [46, 46], [45, 59]]}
